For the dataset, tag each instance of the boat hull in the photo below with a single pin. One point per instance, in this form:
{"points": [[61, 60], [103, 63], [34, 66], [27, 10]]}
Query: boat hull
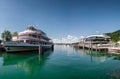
{"points": [[20, 48], [25, 48]]}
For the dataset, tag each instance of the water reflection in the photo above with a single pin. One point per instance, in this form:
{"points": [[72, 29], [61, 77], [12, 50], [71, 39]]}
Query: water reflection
{"points": [[100, 61], [1, 59], [97, 57], [117, 57], [81, 64], [28, 62], [114, 73]]}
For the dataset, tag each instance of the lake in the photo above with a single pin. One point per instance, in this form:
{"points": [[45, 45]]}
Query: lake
{"points": [[65, 62]]}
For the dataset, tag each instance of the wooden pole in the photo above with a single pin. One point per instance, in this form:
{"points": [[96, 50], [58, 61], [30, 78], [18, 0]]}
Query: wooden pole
{"points": [[91, 45], [83, 45], [96, 47], [40, 49]]}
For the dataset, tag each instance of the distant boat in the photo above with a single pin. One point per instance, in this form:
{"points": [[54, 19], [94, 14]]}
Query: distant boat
{"points": [[28, 40]]}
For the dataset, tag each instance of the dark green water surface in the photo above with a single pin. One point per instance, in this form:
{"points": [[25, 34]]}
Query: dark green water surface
{"points": [[64, 62]]}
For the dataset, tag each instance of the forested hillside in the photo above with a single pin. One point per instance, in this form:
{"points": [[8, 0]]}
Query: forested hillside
{"points": [[115, 36]]}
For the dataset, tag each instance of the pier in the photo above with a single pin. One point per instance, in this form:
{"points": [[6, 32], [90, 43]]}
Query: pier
{"points": [[98, 43], [111, 48], [95, 47], [114, 50]]}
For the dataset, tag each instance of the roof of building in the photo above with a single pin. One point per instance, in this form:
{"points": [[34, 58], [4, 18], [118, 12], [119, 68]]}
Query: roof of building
{"points": [[102, 35]]}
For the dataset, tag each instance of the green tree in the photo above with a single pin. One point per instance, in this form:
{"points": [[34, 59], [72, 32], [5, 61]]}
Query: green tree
{"points": [[6, 35], [15, 34], [115, 36]]}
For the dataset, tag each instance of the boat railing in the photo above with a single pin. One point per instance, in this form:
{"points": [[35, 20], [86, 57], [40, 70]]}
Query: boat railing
{"points": [[28, 37]]}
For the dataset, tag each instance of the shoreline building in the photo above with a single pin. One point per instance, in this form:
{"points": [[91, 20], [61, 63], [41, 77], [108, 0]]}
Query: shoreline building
{"points": [[97, 39]]}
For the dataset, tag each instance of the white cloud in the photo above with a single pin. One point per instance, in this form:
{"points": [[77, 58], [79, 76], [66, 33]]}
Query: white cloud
{"points": [[68, 39], [56, 40]]}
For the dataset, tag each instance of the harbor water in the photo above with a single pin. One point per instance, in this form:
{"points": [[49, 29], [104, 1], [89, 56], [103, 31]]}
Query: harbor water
{"points": [[65, 62]]}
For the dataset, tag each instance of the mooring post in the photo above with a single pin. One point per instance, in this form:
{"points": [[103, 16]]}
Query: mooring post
{"points": [[40, 49], [52, 47], [96, 47], [89, 46], [83, 45]]}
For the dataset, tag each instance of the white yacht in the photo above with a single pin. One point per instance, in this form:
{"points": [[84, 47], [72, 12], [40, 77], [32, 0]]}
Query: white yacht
{"points": [[28, 40]]}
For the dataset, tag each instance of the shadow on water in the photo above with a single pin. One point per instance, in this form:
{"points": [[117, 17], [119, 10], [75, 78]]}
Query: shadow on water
{"points": [[28, 62]]}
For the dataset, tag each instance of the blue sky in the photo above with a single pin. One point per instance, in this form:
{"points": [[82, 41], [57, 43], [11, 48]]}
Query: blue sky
{"points": [[59, 18]]}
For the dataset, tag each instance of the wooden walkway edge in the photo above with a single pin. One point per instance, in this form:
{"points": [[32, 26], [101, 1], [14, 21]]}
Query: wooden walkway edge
{"points": [[99, 47]]}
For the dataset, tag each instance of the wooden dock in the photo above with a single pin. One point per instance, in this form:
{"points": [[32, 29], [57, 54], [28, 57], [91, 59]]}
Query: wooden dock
{"points": [[111, 48], [114, 50], [98, 47], [95, 47]]}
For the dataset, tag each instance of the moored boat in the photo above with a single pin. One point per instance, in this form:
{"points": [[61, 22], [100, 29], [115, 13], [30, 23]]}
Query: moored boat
{"points": [[28, 40]]}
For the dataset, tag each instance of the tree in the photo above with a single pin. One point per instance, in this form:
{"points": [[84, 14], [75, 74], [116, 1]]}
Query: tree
{"points": [[115, 36], [15, 34], [6, 36]]}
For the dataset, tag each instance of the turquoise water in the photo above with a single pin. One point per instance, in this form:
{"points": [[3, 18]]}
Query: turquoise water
{"points": [[64, 62]]}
